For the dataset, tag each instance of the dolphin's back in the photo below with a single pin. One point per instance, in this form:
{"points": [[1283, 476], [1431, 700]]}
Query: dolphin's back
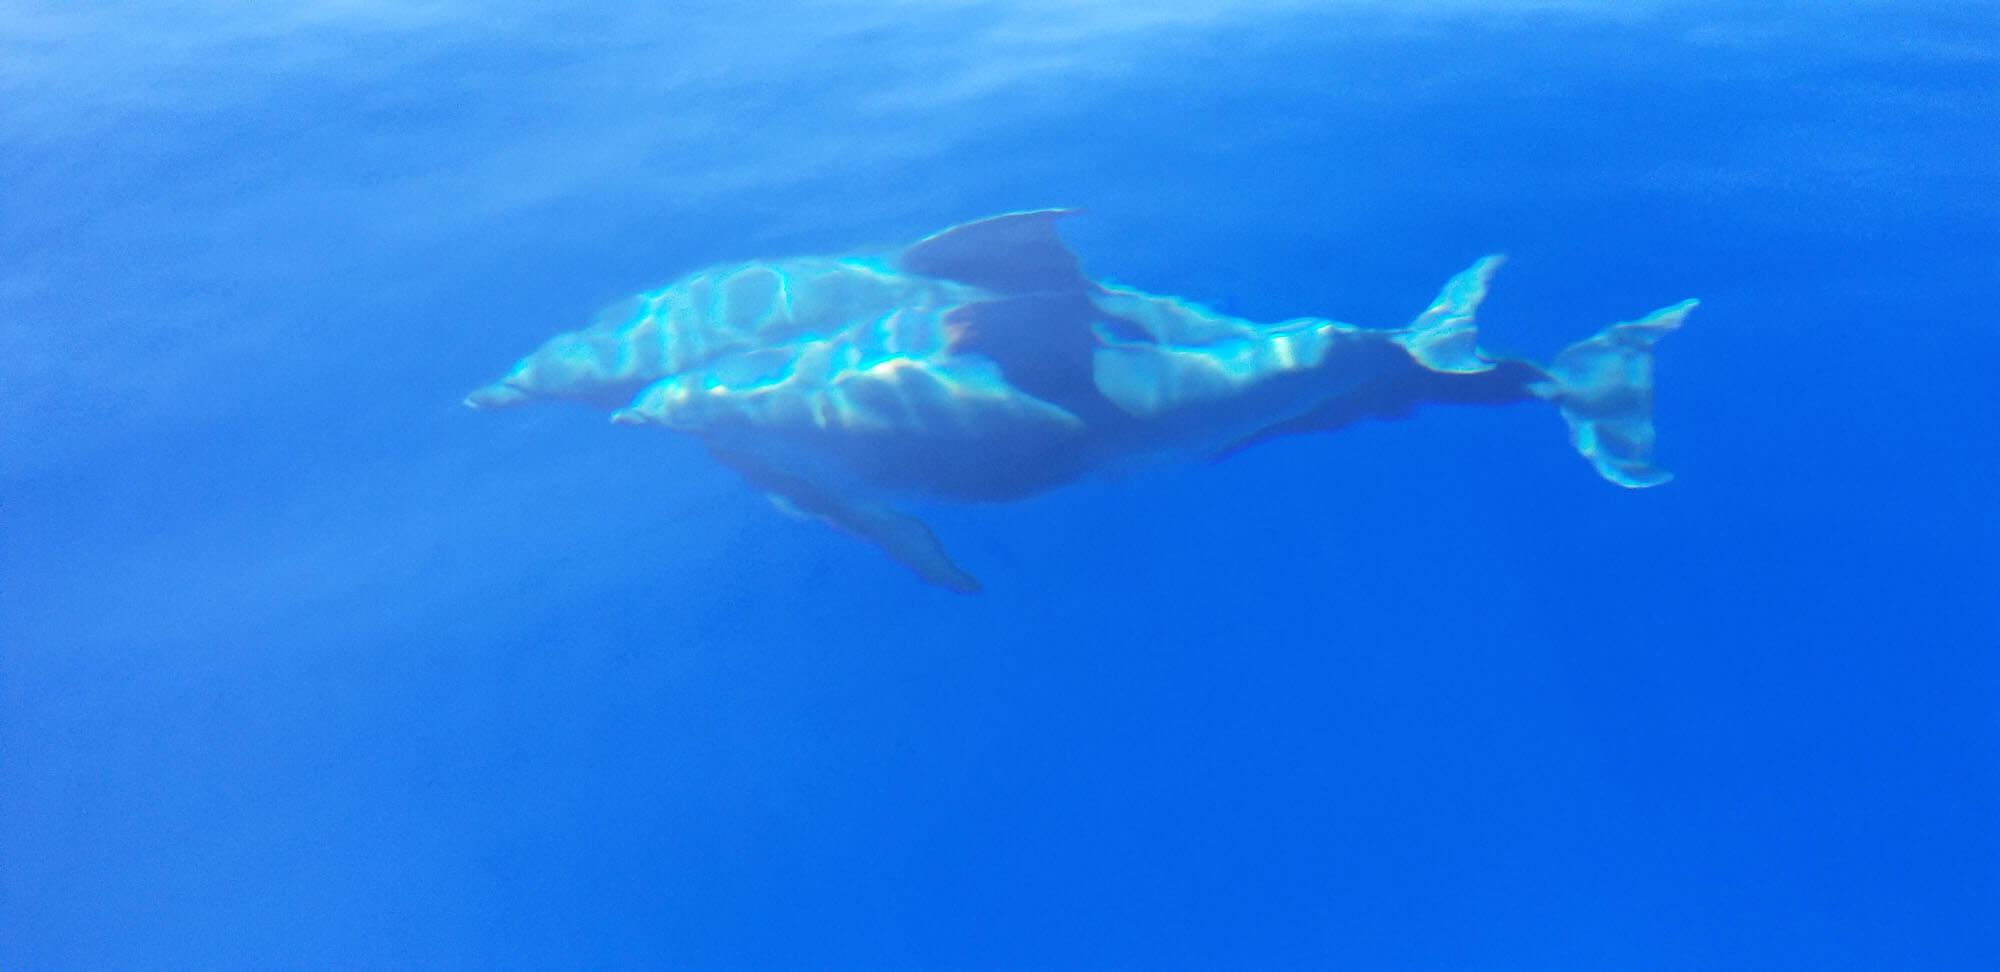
{"points": [[707, 317]]}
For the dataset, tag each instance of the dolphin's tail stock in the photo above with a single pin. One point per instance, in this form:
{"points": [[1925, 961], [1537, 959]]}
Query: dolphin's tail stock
{"points": [[1604, 387]]}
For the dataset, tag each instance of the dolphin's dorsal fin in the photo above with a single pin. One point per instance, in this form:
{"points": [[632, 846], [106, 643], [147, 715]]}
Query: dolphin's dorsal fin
{"points": [[1017, 253], [1043, 344]]}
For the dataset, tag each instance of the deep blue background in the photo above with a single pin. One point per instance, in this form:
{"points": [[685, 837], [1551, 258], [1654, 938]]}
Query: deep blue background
{"points": [[303, 665]]}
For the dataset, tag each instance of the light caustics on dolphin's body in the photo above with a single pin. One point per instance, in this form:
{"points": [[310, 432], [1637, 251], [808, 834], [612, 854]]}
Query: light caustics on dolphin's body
{"points": [[981, 364]]}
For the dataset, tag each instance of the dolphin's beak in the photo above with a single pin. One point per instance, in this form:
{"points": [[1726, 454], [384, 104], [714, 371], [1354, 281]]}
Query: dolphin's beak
{"points": [[494, 396]]}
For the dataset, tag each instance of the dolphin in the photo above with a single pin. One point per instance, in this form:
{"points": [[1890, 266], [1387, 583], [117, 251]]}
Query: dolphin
{"points": [[980, 364]]}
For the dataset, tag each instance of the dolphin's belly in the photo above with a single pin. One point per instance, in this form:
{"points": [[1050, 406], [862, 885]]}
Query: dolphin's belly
{"points": [[1005, 464]]}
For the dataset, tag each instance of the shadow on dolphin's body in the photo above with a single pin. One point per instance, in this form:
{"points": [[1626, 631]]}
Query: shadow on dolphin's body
{"points": [[980, 364]]}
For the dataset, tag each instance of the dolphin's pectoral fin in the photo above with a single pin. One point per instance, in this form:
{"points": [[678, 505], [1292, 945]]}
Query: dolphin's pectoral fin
{"points": [[900, 535], [1018, 253], [903, 537]]}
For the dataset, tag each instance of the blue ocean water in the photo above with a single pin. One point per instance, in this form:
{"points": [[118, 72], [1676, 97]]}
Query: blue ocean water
{"points": [[304, 665]]}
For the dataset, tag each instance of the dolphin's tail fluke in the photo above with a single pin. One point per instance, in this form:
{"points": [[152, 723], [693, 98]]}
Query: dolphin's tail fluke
{"points": [[1604, 387]]}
